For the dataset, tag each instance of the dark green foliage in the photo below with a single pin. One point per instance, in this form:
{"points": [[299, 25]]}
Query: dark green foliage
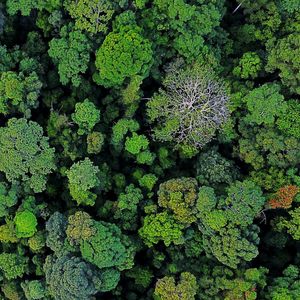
{"points": [[213, 169], [69, 277], [8, 198], [285, 287], [149, 149]]}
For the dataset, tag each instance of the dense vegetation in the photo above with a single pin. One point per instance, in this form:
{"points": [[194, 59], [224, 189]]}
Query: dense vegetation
{"points": [[150, 149]]}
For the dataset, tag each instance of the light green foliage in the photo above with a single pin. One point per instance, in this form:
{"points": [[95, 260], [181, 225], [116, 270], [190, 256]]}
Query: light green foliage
{"points": [[179, 196], [90, 15], [249, 66], [86, 116], [286, 287], [289, 121], [126, 208], [19, 92], [264, 104], [80, 227], [282, 57], [69, 277], [161, 227], [226, 224], [148, 181], [184, 112], [185, 289], [71, 54], [25, 154], [145, 157], [213, 169], [83, 177], [34, 289], [108, 247], [8, 198], [136, 143], [124, 53], [119, 131], [25, 222], [95, 142], [13, 265]]}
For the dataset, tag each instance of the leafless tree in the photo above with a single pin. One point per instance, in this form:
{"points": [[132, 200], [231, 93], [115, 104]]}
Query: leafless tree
{"points": [[197, 100]]}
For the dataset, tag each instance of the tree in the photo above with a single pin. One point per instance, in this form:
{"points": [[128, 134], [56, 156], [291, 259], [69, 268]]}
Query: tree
{"points": [[213, 169], [19, 92], [108, 247], [124, 53], [25, 154], [8, 198], [161, 227], [226, 224], [249, 66], [25, 222], [91, 15], [56, 233], [13, 265], [281, 57], [190, 108], [284, 197], [86, 116], [179, 197], [285, 287], [291, 224], [119, 131], [289, 121], [25, 6], [126, 207], [167, 289], [71, 53], [264, 104], [244, 202], [34, 289], [83, 177], [95, 142], [69, 277], [80, 227]]}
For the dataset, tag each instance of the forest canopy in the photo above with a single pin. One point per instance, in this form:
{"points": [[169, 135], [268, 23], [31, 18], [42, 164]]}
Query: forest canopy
{"points": [[150, 149]]}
